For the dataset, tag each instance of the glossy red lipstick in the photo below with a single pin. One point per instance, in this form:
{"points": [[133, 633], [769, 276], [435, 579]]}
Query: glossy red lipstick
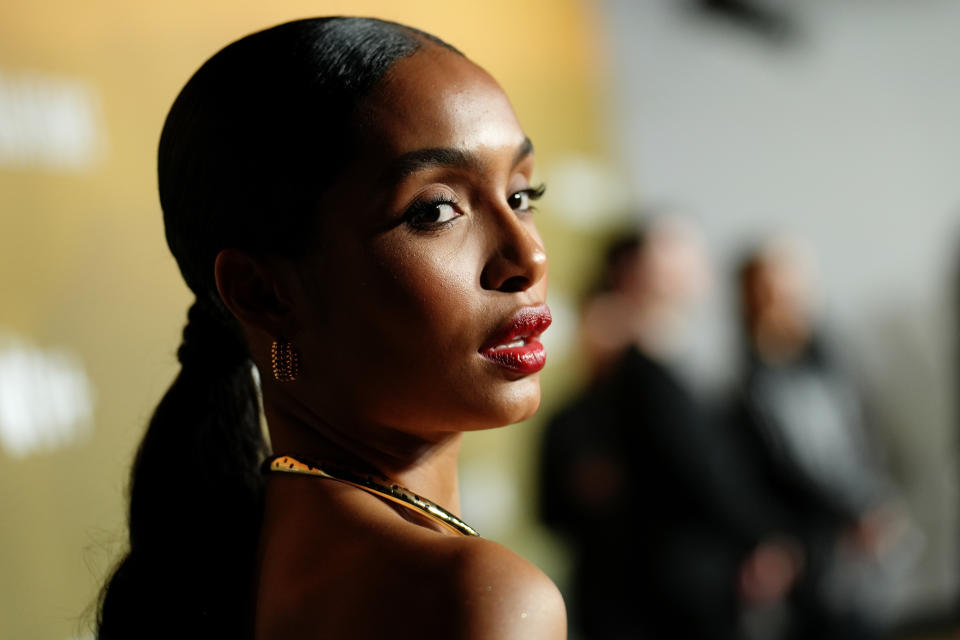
{"points": [[516, 346]]}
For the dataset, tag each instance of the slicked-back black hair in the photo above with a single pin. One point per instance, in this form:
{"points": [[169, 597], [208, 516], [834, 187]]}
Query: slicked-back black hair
{"points": [[249, 146]]}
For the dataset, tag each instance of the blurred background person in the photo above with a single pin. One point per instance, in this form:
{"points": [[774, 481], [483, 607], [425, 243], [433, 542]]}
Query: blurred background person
{"points": [[671, 536], [800, 413]]}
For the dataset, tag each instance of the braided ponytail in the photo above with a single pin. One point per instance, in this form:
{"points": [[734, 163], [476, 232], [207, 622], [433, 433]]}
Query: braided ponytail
{"points": [[195, 497]]}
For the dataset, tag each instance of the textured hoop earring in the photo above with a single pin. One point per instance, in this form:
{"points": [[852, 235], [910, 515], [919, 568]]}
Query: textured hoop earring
{"points": [[285, 361]]}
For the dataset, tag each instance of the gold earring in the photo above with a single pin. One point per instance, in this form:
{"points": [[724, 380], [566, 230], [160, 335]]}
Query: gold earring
{"points": [[285, 360]]}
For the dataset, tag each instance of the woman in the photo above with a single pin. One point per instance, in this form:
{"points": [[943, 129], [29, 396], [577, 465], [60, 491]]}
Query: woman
{"points": [[350, 201]]}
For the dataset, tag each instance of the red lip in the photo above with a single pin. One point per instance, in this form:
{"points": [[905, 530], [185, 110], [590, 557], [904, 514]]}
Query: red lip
{"points": [[526, 325]]}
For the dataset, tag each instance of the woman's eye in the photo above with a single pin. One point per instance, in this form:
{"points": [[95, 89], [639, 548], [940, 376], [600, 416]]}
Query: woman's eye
{"points": [[443, 212], [522, 200], [431, 214]]}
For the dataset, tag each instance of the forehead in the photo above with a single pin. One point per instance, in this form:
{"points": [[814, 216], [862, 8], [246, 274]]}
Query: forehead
{"points": [[438, 98]]}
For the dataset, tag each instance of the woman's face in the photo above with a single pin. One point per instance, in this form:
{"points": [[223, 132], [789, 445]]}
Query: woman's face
{"points": [[423, 303]]}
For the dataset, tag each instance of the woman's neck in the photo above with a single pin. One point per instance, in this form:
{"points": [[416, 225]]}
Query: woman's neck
{"points": [[427, 466]]}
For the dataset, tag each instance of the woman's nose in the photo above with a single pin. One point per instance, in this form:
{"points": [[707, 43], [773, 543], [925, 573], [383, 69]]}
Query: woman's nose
{"points": [[517, 259]]}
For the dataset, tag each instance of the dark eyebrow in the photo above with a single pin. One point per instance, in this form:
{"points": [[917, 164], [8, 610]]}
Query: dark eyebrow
{"points": [[414, 161], [523, 151]]}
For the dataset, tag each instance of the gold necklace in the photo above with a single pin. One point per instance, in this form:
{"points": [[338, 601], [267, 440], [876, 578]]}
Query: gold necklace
{"points": [[376, 486]]}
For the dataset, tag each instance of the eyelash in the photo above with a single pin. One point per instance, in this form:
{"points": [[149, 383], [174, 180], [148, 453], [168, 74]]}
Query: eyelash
{"points": [[414, 215], [533, 194]]}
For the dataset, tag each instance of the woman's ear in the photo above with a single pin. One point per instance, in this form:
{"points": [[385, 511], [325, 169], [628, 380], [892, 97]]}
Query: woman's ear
{"points": [[256, 292]]}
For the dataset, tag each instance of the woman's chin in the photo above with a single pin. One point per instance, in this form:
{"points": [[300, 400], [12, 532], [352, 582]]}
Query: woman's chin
{"points": [[519, 404]]}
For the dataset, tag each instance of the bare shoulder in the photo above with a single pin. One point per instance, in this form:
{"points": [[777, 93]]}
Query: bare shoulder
{"points": [[424, 586], [363, 572], [501, 595]]}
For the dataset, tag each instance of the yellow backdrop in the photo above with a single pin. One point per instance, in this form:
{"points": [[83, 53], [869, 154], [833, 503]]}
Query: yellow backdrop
{"points": [[85, 270]]}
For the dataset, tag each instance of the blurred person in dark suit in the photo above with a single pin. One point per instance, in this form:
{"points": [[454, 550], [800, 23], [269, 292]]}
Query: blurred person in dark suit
{"points": [[801, 419], [671, 535]]}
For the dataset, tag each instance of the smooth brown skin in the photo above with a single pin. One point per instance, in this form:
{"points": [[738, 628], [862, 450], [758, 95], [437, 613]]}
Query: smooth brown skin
{"points": [[389, 320]]}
